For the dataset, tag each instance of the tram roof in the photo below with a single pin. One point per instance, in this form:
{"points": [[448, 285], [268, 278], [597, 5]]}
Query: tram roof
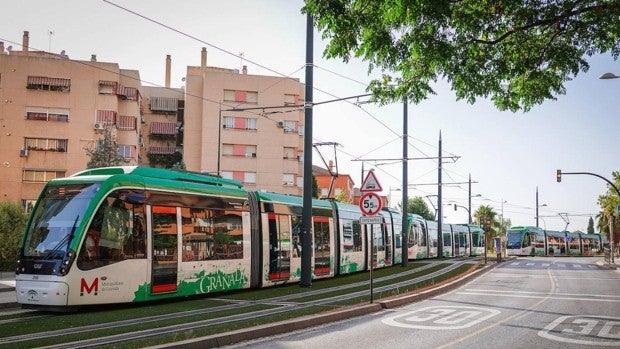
{"points": [[159, 173]]}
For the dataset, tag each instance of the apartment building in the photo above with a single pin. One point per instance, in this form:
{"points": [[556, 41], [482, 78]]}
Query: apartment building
{"points": [[52, 108], [224, 121], [245, 127]]}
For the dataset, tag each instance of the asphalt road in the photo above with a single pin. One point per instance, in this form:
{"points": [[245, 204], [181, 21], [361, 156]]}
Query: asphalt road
{"points": [[538, 302]]}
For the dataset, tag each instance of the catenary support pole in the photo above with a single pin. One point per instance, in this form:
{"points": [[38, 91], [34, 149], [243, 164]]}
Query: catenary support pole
{"points": [[405, 221], [306, 237]]}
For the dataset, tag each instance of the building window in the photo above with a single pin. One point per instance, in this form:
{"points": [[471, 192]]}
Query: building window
{"points": [[47, 114], [41, 175], [127, 123], [241, 96], [290, 126], [290, 153], [46, 144], [243, 150], [27, 205], [244, 177], [239, 123], [127, 151], [288, 179], [324, 192], [106, 117], [44, 83], [291, 99], [108, 87]]}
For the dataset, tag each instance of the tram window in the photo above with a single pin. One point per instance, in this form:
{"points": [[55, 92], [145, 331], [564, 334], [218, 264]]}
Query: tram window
{"points": [[211, 234], [116, 233]]}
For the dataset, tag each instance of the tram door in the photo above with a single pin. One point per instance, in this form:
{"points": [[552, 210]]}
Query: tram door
{"points": [[165, 249], [322, 246]]}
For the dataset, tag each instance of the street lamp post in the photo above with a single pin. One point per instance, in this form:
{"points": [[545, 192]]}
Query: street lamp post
{"points": [[537, 206]]}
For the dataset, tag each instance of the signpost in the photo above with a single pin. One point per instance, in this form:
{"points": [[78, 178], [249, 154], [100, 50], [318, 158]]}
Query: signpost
{"points": [[370, 205]]}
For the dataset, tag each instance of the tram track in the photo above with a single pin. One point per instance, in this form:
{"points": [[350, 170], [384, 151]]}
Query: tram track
{"points": [[278, 305]]}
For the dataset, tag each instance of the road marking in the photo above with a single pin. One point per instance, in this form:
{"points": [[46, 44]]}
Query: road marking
{"points": [[530, 264], [546, 264], [584, 330], [504, 320], [544, 293], [452, 317], [548, 296]]}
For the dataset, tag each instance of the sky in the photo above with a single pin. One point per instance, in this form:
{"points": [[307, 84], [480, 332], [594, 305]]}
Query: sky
{"points": [[509, 156]]}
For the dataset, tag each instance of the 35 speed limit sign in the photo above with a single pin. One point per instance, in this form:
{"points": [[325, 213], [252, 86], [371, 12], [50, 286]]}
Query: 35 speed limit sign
{"points": [[370, 204]]}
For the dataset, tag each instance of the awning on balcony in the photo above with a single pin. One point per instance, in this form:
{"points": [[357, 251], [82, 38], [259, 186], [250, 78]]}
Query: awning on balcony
{"points": [[44, 80], [161, 150], [163, 128]]}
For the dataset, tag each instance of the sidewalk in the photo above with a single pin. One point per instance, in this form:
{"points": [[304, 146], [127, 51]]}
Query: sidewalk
{"points": [[8, 298]]}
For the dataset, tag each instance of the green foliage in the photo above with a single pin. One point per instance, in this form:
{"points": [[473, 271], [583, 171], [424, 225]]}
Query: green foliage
{"points": [[315, 188], [590, 226], [608, 214], [166, 160], [12, 225], [105, 153], [517, 53], [418, 206]]}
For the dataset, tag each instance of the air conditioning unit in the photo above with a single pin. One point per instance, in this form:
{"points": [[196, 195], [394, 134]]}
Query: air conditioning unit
{"points": [[23, 153], [98, 126], [280, 124]]}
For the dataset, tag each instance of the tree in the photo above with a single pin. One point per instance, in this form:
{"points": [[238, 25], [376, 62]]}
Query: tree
{"points": [[105, 152], [518, 53], [590, 226], [315, 188], [485, 216], [12, 225], [418, 206], [609, 203]]}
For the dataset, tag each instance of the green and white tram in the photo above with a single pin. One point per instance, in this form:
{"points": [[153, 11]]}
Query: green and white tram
{"points": [[533, 241], [134, 234]]}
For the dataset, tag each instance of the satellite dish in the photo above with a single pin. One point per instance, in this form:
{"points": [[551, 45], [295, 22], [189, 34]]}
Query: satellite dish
{"points": [[9, 49], [62, 53]]}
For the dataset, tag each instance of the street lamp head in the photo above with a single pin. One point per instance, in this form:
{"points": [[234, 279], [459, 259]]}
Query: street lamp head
{"points": [[608, 76]]}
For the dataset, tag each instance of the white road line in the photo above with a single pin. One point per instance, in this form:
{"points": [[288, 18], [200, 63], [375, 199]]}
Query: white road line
{"points": [[546, 293], [541, 297]]}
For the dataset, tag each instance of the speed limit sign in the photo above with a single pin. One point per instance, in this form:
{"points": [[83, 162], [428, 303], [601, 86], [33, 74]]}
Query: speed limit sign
{"points": [[370, 204]]}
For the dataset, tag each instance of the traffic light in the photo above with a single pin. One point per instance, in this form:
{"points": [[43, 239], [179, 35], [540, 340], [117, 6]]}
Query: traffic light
{"points": [[558, 176], [455, 207]]}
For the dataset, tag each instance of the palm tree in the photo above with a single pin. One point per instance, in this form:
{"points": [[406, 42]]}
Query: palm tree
{"points": [[609, 203], [486, 217]]}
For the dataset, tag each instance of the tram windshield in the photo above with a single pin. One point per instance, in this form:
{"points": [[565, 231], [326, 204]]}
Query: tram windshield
{"points": [[514, 239], [59, 212]]}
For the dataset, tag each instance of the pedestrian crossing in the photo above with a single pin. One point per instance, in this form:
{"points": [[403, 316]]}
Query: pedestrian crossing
{"points": [[552, 265]]}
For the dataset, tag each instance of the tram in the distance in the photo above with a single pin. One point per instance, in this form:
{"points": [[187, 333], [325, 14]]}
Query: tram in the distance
{"points": [[533, 241]]}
